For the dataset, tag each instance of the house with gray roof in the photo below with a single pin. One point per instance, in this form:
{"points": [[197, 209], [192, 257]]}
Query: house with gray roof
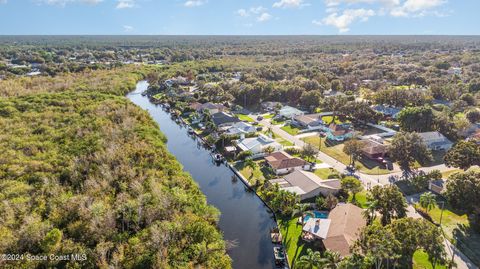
{"points": [[289, 112], [436, 141], [257, 145], [306, 184]]}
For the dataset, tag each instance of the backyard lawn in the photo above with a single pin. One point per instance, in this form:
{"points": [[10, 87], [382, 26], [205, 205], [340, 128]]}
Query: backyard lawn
{"points": [[245, 118], [420, 261], [328, 120], [361, 198], [336, 151], [251, 175], [291, 130], [291, 233]]}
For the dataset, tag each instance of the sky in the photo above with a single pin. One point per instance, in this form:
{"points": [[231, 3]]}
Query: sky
{"points": [[239, 17]]}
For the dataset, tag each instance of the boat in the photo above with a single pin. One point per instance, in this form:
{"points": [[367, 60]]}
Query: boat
{"points": [[279, 253], [218, 157], [190, 130]]}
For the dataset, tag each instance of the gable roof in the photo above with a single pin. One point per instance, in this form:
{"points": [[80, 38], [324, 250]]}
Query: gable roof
{"points": [[373, 147], [308, 182], [429, 137], [222, 118], [308, 119], [346, 223], [252, 142], [282, 160]]}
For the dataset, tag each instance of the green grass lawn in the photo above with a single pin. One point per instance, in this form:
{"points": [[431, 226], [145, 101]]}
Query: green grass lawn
{"points": [[267, 116], [323, 173], [291, 233], [290, 129], [328, 119], [284, 142], [252, 176], [245, 118], [456, 225], [278, 122], [420, 261], [448, 173], [360, 197], [366, 166]]}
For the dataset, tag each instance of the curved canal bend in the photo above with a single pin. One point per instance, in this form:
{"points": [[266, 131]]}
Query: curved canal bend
{"points": [[244, 218]]}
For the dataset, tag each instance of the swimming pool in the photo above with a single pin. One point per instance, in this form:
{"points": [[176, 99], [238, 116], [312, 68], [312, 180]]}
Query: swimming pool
{"points": [[316, 214]]}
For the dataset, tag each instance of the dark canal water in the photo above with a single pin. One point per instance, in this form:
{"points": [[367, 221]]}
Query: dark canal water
{"points": [[244, 219]]}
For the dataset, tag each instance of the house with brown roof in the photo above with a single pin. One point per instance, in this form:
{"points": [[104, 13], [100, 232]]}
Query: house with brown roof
{"points": [[283, 163], [210, 107], [373, 149], [339, 231], [346, 222], [306, 185]]}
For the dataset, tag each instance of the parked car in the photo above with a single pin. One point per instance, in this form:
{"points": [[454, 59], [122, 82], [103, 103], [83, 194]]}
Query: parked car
{"points": [[259, 118]]}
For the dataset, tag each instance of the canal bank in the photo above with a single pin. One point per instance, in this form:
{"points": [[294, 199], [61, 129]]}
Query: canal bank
{"points": [[245, 220]]}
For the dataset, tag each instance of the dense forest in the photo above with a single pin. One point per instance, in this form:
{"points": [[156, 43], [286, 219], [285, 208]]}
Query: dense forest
{"points": [[84, 171]]}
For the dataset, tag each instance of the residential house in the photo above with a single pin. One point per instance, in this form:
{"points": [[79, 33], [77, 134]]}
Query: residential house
{"points": [[436, 141], [338, 132], [346, 222], [437, 186], [271, 106], [387, 111], [257, 145], [289, 112], [209, 107], [306, 184], [282, 163], [373, 149], [241, 127], [309, 121], [223, 119]]}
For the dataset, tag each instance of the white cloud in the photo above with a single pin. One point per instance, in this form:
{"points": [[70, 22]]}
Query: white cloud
{"points": [[264, 17], [251, 11], [65, 2], [121, 4], [127, 28], [342, 21], [289, 4], [417, 8], [194, 3], [331, 3], [242, 13]]}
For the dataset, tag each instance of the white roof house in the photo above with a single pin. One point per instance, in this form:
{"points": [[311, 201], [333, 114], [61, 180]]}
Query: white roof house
{"points": [[436, 141], [257, 145], [289, 112], [241, 128], [306, 184]]}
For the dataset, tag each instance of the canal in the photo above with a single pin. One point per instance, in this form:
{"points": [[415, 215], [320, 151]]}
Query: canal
{"points": [[244, 219]]}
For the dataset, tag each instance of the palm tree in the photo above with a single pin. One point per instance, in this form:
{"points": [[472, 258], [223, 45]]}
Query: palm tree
{"points": [[369, 212], [330, 260], [251, 164], [309, 260], [300, 209], [428, 201]]}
